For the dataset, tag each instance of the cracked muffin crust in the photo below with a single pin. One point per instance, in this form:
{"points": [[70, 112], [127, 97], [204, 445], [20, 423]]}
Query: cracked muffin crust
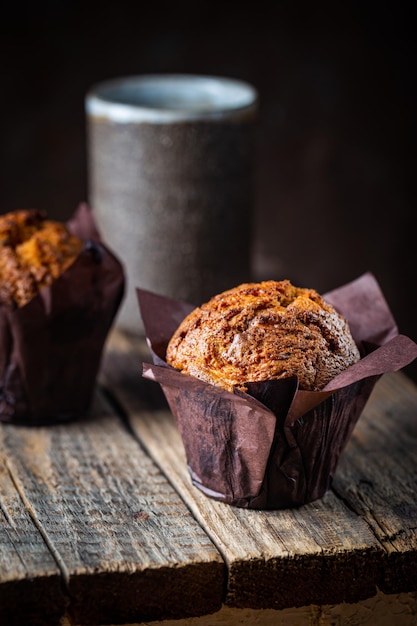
{"points": [[263, 331], [34, 251]]}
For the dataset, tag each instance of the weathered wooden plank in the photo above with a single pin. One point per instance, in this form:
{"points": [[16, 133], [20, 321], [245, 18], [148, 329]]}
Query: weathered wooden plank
{"points": [[322, 553], [127, 547], [30, 580], [377, 477]]}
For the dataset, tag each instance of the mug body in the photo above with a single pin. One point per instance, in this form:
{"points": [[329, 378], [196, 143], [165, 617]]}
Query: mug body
{"points": [[171, 182]]}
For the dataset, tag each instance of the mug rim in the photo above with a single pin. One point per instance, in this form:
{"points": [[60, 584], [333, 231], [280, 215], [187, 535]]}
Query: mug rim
{"points": [[139, 98]]}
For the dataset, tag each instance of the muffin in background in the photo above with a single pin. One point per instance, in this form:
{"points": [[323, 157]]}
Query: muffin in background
{"points": [[34, 251], [60, 289]]}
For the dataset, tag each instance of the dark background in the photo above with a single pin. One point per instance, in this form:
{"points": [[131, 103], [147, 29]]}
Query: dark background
{"points": [[335, 138]]}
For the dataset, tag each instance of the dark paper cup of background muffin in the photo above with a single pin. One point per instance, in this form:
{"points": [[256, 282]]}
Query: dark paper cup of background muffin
{"points": [[51, 348], [275, 446]]}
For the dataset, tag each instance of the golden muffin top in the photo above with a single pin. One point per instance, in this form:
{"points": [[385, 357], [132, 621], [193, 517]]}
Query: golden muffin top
{"points": [[262, 331]]}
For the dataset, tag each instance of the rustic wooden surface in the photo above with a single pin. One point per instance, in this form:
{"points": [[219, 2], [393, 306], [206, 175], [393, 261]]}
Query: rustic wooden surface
{"points": [[324, 552], [377, 477], [99, 520], [122, 541], [30, 579]]}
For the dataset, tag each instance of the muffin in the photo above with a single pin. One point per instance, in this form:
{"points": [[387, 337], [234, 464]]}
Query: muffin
{"points": [[60, 289], [269, 444], [34, 252], [263, 331]]}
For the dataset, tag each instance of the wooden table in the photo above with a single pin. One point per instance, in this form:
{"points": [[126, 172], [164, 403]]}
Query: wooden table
{"points": [[100, 524]]}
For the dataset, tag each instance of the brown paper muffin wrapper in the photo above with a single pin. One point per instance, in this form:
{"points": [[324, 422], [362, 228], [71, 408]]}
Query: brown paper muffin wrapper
{"points": [[275, 446], [50, 349]]}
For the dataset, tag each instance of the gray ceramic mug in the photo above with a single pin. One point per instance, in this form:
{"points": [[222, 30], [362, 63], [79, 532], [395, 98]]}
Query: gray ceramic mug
{"points": [[171, 183]]}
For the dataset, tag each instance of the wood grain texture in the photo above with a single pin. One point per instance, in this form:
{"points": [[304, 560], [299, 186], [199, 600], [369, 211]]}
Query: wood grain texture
{"points": [[126, 546], [326, 552], [377, 477], [30, 580]]}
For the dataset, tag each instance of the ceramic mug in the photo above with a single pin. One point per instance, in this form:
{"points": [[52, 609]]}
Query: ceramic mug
{"points": [[171, 182]]}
